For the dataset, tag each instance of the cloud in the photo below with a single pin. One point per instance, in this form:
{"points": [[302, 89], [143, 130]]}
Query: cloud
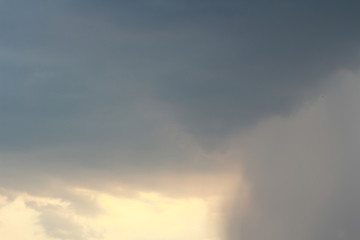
{"points": [[269, 59], [97, 95], [79, 73], [302, 172]]}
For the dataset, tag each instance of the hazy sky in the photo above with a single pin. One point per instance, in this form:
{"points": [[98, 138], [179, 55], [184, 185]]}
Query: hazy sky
{"points": [[172, 120]]}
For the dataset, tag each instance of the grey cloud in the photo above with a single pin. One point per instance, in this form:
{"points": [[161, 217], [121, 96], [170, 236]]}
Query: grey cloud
{"points": [[219, 67], [60, 227], [123, 87], [58, 221], [303, 173], [80, 204], [278, 54]]}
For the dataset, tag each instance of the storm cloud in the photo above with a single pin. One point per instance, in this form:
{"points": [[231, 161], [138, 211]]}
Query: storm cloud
{"points": [[127, 91], [303, 172], [217, 66]]}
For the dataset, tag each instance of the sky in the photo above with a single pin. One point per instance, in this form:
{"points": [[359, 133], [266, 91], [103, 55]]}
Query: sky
{"points": [[172, 120]]}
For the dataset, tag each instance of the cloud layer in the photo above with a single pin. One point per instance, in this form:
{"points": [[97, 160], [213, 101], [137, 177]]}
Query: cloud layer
{"points": [[157, 94]]}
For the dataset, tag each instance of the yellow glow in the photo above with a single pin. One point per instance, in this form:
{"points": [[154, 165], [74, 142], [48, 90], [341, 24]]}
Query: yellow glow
{"points": [[134, 215], [17, 221], [151, 216]]}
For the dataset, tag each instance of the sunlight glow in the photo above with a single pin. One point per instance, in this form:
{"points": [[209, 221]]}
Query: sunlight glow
{"points": [[143, 215], [158, 217]]}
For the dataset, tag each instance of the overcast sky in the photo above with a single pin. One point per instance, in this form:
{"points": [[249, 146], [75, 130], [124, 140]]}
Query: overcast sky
{"points": [[213, 120]]}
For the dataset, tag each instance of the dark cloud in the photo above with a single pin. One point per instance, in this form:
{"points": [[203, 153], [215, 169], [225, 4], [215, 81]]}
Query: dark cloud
{"points": [[114, 88], [275, 55], [219, 66]]}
